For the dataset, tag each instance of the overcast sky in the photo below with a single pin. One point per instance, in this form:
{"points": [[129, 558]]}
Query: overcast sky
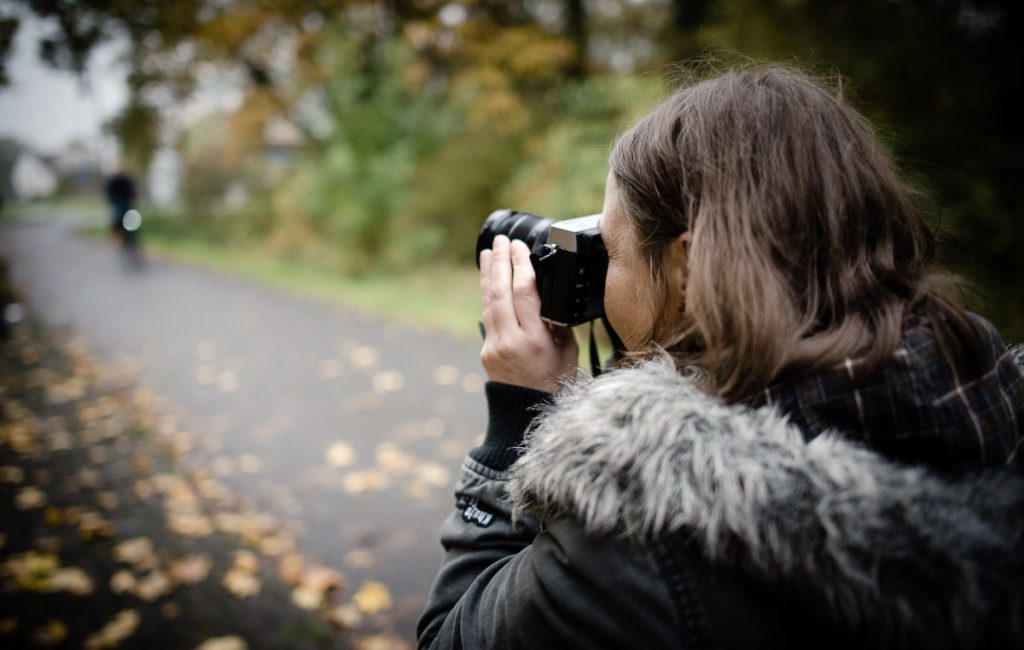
{"points": [[44, 108]]}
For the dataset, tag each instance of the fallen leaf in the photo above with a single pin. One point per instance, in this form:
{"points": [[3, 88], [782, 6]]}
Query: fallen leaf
{"points": [[323, 579], [391, 459], [359, 558], [153, 586], [31, 570], [246, 561], [191, 569], [381, 642], [52, 633], [122, 626], [53, 516], [143, 489], [28, 498], [473, 384], [108, 500], [445, 375], [122, 581], [363, 356], [347, 617], [92, 524], [73, 580], [134, 551], [372, 597], [367, 481], [388, 381], [11, 474], [340, 454], [60, 441], [307, 598], [241, 583], [227, 381], [223, 643], [291, 568], [189, 524], [434, 474]]}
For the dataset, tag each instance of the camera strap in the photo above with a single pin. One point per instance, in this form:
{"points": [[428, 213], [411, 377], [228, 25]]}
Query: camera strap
{"points": [[595, 362], [618, 347]]}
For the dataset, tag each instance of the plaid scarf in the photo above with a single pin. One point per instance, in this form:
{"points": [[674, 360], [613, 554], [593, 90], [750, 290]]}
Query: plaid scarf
{"points": [[920, 407]]}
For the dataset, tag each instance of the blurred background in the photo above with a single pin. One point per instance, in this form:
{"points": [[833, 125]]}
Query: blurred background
{"points": [[249, 440], [372, 137]]}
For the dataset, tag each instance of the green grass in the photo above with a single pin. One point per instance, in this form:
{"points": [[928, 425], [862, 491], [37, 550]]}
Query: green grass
{"points": [[439, 298]]}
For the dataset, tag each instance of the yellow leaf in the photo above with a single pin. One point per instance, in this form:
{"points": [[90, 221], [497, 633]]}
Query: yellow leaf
{"points": [[246, 561], [113, 633], [340, 454], [191, 569], [223, 643], [359, 558], [154, 585], [445, 375], [369, 481], [11, 474], [241, 583], [363, 356], [381, 642], [71, 579], [29, 497], [134, 551], [347, 617], [122, 581], [388, 381], [307, 598], [52, 516], [291, 568], [372, 597], [52, 633]]}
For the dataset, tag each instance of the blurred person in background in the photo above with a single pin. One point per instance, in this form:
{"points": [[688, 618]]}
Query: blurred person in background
{"points": [[809, 444], [120, 192]]}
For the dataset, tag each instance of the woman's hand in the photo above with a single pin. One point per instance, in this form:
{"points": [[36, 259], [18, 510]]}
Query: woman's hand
{"points": [[519, 348]]}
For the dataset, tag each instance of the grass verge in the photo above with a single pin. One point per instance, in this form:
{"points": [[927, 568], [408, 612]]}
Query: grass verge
{"points": [[441, 298]]}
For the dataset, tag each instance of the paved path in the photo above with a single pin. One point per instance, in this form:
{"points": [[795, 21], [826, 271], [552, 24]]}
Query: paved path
{"points": [[275, 383]]}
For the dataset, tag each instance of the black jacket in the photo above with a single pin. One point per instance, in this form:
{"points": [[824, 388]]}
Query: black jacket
{"points": [[645, 514]]}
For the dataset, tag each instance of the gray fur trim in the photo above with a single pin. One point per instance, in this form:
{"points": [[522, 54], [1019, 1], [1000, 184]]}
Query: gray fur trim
{"points": [[645, 452]]}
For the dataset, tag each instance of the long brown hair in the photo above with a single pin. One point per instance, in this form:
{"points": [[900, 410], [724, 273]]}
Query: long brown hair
{"points": [[807, 248]]}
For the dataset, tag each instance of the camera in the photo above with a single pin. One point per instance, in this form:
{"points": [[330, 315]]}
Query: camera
{"points": [[568, 256]]}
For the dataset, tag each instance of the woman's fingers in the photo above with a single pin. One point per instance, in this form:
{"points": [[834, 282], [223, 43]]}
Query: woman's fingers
{"points": [[525, 298], [485, 288], [499, 296]]}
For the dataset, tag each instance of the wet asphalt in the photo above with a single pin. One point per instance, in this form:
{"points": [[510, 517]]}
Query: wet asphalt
{"points": [[347, 426]]}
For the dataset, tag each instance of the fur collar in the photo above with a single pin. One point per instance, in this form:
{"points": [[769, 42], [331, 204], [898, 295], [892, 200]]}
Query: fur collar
{"points": [[643, 451]]}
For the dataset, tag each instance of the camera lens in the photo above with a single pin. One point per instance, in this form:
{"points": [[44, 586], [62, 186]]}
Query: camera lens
{"points": [[529, 228]]}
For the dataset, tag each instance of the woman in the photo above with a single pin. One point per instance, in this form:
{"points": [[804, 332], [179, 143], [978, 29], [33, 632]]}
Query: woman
{"points": [[807, 446]]}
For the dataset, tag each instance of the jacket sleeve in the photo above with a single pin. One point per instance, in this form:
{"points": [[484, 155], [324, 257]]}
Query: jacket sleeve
{"points": [[517, 586]]}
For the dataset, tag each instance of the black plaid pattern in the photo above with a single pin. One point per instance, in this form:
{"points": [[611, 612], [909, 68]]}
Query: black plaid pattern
{"points": [[919, 408]]}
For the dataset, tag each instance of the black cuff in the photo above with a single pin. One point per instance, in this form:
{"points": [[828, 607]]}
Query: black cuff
{"points": [[510, 410]]}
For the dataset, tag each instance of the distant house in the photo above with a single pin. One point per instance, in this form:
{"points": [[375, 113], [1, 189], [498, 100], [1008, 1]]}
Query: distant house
{"points": [[31, 178]]}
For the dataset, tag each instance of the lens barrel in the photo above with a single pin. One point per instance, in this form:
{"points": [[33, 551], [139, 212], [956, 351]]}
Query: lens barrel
{"points": [[529, 228]]}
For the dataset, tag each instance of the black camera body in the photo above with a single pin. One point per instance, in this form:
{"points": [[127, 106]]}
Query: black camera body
{"points": [[569, 257]]}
